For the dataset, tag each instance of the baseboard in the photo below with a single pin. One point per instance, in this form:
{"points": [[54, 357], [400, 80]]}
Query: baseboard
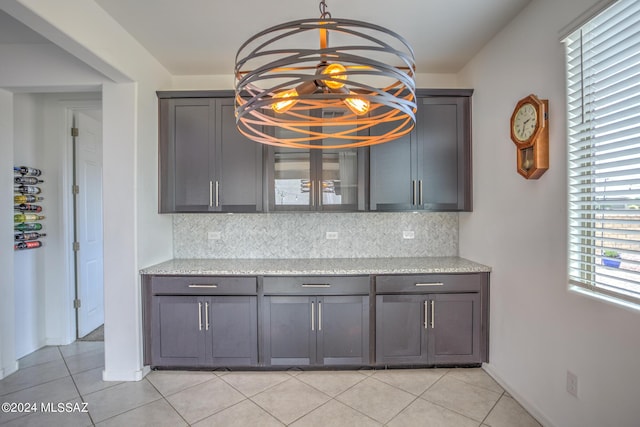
{"points": [[533, 411], [110, 375], [5, 372]]}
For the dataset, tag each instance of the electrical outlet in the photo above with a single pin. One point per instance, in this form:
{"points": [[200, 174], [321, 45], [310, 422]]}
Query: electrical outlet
{"points": [[408, 234], [572, 383], [214, 235], [331, 235]]}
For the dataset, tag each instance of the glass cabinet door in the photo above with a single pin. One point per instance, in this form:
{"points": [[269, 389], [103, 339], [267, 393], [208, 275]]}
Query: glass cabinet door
{"points": [[291, 179], [317, 179]]}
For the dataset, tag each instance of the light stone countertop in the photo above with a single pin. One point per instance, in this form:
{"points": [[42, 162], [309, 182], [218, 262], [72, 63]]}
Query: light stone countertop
{"points": [[317, 266]]}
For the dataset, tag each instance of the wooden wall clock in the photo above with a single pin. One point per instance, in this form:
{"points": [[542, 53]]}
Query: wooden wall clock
{"points": [[530, 133]]}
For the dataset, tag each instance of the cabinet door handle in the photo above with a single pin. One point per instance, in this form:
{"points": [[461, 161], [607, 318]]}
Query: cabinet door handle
{"points": [[313, 315], [313, 193], [426, 315], [420, 192], [319, 316], [193, 285], [217, 194], [433, 313], [430, 284], [206, 316], [413, 185], [210, 193], [315, 285], [199, 316], [319, 192]]}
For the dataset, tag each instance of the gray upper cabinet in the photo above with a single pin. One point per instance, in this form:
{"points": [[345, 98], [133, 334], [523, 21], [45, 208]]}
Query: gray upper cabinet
{"points": [[429, 168], [316, 180], [205, 164]]}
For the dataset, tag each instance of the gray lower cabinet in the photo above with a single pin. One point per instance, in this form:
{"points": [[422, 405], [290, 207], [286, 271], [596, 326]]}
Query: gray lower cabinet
{"points": [[431, 320], [307, 330], [200, 321], [205, 331]]}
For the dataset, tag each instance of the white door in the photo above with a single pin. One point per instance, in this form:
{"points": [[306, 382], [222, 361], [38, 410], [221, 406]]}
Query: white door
{"points": [[89, 264]]}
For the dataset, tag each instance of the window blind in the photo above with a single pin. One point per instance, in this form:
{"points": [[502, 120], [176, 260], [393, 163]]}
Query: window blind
{"points": [[603, 112]]}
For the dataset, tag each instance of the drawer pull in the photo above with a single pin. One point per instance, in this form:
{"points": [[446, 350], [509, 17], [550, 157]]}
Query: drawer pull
{"points": [[203, 286], [316, 285], [430, 284]]}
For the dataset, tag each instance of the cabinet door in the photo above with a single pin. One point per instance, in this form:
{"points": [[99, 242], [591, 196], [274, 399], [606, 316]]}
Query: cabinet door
{"points": [[289, 330], [454, 329], [401, 330], [238, 177], [343, 330], [232, 325], [392, 174], [444, 153], [186, 152], [316, 179], [178, 331]]}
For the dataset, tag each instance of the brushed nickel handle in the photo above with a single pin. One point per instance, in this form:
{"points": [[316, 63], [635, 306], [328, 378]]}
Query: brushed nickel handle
{"points": [[313, 324], [430, 284], [315, 285], [413, 185], [313, 194], [426, 316], [199, 316], [210, 193], [193, 285], [319, 316], [420, 191], [217, 194], [319, 193], [433, 313], [206, 316]]}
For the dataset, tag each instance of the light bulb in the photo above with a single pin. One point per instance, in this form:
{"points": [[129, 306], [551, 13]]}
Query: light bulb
{"points": [[358, 106], [332, 69], [285, 104]]}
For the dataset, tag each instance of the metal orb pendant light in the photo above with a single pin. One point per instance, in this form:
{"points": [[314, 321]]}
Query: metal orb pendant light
{"points": [[359, 76]]}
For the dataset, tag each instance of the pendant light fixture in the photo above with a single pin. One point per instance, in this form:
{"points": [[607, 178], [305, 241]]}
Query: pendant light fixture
{"points": [[325, 83]]}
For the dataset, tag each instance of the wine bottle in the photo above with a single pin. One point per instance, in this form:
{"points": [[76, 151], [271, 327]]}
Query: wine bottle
{"points": [[26, 198], [27, 207], [27, 189], [27, 217], [31, 226], [27, 245], [32, 235], [25, 170], [28, 180]]}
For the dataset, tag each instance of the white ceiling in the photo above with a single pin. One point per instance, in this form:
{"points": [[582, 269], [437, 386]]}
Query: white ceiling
{"points": [[201, 37]]}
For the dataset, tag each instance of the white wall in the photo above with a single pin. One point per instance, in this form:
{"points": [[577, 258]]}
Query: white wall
{"points": [[539, 329], [8, 363], [29, 272], [130, 158]]}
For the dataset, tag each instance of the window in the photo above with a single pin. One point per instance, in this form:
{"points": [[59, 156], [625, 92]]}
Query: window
{"points": [[603, 96]]}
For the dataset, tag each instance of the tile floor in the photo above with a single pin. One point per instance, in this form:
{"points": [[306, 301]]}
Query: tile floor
{"points": [[422, 397]]}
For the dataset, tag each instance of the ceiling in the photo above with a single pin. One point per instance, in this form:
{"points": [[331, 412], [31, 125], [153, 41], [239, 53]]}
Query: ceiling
{"points": [[201, 37]]}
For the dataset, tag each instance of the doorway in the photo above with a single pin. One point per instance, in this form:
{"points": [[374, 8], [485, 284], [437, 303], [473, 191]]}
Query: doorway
{"points": [[88, 224]]}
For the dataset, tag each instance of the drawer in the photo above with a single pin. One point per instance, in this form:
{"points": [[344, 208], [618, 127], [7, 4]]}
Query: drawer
{"points": [[428, 283], [203, 285], [316, 285]]}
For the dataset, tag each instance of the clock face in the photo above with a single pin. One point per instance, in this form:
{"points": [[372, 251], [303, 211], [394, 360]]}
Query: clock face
{"points": [[525, 122]]}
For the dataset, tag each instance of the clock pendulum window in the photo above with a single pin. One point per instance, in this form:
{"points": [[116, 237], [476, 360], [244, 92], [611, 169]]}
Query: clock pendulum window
{"points": [[530, 134]]}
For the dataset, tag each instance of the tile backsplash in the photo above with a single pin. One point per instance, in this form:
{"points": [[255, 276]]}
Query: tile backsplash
{"points": [[304, 235]]}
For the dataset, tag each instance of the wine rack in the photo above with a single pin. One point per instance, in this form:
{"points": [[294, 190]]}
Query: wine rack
{"points": [[27, 210]]}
